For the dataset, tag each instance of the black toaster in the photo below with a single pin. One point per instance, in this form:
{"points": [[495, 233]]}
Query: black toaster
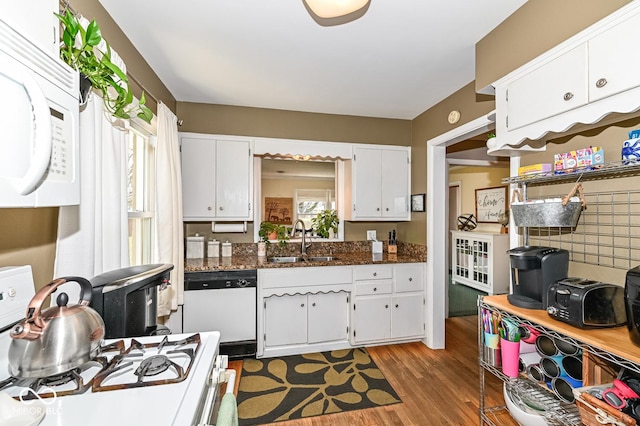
{"points": [[586, 303]]}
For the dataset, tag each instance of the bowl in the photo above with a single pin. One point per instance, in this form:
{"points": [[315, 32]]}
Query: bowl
{"points": [[524, 416]]}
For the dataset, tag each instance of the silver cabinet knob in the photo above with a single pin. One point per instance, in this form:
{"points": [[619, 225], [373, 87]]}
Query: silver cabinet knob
{"points": [[375, 289], [313, 304], [378, 209], [375, 274], [396, 305], [601, 83], [209, 208], [410, 279], [386, 306], [387, 209], [568, 96], [221, 208], [302, 305]]}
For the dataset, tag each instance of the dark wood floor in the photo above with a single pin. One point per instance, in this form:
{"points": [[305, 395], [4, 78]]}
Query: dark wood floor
{"points": [[436, 387]]}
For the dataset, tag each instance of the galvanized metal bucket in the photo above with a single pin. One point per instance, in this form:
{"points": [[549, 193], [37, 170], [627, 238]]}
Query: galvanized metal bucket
{"points": [[560, 213]]}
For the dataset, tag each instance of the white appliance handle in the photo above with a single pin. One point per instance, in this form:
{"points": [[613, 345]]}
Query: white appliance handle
{"points": [[42, 142]]}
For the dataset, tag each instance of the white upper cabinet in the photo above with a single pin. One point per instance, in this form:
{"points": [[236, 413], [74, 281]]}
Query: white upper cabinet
{"points": [[555, 87], [217, 177], [613, 62], [580, 81], [378, 181], [35, 20]]}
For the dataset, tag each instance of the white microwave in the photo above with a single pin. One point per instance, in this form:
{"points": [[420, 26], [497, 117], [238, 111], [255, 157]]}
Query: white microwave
{"points": [[39, 128]]}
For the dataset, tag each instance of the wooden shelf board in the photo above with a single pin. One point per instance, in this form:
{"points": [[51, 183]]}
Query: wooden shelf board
{"points": [[613, 340]]}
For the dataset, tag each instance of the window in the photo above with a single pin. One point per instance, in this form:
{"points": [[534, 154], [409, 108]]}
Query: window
{"points": [[141, 189], [310, 202]]}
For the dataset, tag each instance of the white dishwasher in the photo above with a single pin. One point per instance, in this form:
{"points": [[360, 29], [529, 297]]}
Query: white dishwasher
{"points": [[223, 301]]}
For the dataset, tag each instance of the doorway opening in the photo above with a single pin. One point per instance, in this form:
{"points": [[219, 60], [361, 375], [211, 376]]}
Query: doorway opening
{"points": [[438, 222]]}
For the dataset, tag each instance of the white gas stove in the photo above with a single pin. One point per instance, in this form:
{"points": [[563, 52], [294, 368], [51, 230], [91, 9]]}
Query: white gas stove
{"points": [[163, 380]]}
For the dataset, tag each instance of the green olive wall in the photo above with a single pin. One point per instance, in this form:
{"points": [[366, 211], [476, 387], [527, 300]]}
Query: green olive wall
{"points": [[29, 234]]}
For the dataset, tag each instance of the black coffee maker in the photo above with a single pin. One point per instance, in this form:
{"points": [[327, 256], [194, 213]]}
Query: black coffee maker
{"points": [[127, 301], [632, 303], [533, 270]]}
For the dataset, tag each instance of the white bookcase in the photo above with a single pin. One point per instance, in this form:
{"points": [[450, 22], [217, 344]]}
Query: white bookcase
{"points": [[480, 260]]}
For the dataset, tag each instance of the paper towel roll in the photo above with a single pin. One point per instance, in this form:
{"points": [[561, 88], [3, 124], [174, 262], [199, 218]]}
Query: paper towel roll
{"points": [[228, 227]]}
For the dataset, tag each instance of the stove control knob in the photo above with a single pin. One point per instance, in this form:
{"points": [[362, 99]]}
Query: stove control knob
{"points": [[551, 310], [242, 283]]}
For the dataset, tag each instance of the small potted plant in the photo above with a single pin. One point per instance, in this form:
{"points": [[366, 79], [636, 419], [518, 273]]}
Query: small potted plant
{"points": [[79, 49], [326, 223], [271, 231]]}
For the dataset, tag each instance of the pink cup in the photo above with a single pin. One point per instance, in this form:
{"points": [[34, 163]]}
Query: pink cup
{"points": [[510, 357]]}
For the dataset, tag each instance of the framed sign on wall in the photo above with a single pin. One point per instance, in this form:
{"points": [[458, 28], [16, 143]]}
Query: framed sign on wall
{"points": [[417, 202], [490, 203]]}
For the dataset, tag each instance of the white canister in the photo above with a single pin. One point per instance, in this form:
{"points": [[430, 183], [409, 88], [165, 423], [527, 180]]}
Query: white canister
{"points": [[226, 249], [195, 247], [213, 248]]}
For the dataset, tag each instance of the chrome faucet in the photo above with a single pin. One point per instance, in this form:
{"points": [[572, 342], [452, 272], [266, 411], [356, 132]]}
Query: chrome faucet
{"points": [[304, 246]]}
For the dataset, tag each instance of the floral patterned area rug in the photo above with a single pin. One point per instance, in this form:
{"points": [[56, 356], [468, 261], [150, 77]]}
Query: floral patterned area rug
{"points": [[292, 387]]}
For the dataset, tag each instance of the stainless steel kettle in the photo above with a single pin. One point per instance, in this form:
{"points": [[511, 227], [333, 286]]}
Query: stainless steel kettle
{"points": [[59, 338]]}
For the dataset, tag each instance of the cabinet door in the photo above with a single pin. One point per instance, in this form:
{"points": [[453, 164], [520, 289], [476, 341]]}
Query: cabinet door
{"points": [[612, 60], [461, 258], [371, 318], [409, 277], [367, 182], [395, 185], [327, 317], [35, 19], [555, 87], [198, 189], [233, 179], [407, 316], [285, 320]]}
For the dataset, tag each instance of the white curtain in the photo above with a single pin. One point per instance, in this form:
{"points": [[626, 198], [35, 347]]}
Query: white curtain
{"points": [[169, 232], [93, 237]]}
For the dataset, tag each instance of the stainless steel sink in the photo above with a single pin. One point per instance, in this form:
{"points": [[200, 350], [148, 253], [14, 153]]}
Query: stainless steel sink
{"points": [[295, 259], [285, 259], [320, 258]]}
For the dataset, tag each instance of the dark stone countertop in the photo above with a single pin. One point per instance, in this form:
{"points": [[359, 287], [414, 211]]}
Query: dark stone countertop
{"points": [[248, 260]]}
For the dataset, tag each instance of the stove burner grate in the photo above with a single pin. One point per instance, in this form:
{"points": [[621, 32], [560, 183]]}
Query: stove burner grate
{"points": [[49, 387], [151, 366]]}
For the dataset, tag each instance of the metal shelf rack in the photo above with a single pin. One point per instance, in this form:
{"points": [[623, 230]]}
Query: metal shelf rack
{"points": [[565, 414], [604, 171], [606, 233]]}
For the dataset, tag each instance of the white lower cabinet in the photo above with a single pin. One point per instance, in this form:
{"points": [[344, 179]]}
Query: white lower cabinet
{"points": [[388, 303], [407, 316], [301, 319], [302, 310], [328, 317], [285, 320], [480, 260]]}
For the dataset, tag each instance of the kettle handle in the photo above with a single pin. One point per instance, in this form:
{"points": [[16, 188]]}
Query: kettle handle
{"points": [[33, 322]]}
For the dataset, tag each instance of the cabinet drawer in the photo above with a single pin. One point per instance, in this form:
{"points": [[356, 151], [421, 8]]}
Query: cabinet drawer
{"points": [[374, 272], [409, 278], [374, 287]]}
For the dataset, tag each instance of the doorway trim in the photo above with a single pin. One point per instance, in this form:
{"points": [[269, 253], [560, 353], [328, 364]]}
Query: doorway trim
{"points": [[437, 227]]}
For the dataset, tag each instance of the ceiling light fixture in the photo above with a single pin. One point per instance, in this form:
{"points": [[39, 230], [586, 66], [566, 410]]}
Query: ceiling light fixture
{"points": [[336, 12]]}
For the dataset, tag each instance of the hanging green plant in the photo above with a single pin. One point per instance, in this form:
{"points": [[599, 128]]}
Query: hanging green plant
{"points": [[79, 50]]}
